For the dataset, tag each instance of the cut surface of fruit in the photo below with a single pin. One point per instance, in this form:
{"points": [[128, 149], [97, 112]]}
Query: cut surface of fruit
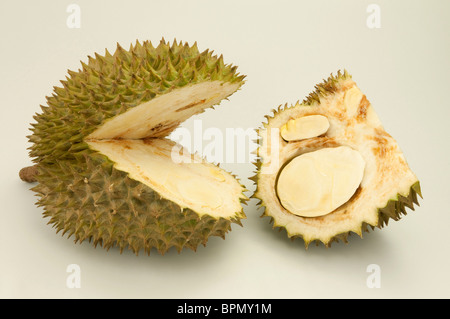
{"points": [[161, 115], [194, 184], [316, 183], [342, 181], [133, 141]]}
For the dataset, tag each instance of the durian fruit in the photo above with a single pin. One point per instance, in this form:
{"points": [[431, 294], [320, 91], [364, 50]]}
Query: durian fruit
{"points": [[326, 167], [107, 172]]}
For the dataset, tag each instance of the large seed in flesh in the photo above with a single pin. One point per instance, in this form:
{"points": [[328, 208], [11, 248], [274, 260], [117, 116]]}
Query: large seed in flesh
{"points": [[304, 127], [316, 183]]}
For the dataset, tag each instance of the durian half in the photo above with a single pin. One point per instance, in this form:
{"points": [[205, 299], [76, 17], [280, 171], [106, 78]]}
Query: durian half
{"points": [[106, 171], [326, 167]]}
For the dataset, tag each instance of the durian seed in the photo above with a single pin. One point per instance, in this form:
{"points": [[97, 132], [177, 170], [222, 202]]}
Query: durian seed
{"points": [[316, 183], [304, 127]]}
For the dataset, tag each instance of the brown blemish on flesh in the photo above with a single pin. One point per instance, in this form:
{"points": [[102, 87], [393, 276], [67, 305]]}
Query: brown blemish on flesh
{"points": [[341, 116], [356, 195], [380, 140], [191, 105], [123, 134], [385, 150], [147, 141], [165, 130], [315, 143], [111, 141], [382, 132], [380, 151], [162, 154], [362, 109], [157, 127], [383, 147], [325, 142]]}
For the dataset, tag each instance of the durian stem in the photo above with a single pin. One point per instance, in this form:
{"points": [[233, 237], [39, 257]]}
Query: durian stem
{"points": [[28, 174]]}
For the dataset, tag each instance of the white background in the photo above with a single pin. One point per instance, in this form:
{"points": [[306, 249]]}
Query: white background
{"points": [[284, 48]]}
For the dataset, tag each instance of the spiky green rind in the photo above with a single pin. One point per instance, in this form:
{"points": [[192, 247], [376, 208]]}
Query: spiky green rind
{"points": [[102, 205], [83, 195], [328, 86], [394, 209], [110, 85], [88, 198]]}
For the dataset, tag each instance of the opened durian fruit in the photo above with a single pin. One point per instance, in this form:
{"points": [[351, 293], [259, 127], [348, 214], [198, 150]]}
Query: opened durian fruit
{"points": [[326, 167], [105, 168]]}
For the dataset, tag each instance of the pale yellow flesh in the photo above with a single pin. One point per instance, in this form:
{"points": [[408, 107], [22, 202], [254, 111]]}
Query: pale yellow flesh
{"points": [[304, 127], [135, 142], [354, 123], [316, 183], [198, 185], [161, 115]]}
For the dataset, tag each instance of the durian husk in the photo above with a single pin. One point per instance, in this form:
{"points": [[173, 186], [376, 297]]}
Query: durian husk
{"points": [[326, 100], [82, 193]]}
